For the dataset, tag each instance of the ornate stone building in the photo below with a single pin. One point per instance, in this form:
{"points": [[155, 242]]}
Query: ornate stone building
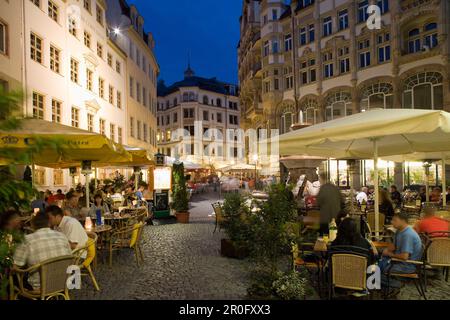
{"points": [[321, 60]]}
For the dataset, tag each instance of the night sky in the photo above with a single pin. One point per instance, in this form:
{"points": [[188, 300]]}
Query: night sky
{"points": [[208, 29]]}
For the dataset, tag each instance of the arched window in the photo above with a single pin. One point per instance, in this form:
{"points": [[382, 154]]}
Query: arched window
{"points": [[424, 91], [219, 102], [338, 105], [185, 97], [378, 95], [205, 100], [287, 119], [311, 111]]}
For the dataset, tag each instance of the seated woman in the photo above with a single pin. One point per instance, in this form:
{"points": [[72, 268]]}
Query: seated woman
{"points": [[10, 221], [348, 236], [386, 206], [99, 204]]}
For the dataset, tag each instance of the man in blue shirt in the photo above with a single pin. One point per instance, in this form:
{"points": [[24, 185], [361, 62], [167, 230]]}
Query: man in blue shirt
{"points": [[407, 246]]}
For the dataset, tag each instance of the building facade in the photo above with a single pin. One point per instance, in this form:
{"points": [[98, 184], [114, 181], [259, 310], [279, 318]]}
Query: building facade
{"points": [[143, 70], [198, 121], [322, 60], [65, 58]]}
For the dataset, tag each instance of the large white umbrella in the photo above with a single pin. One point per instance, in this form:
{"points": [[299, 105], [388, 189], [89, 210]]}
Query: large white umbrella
{"points": [[372, 134]]}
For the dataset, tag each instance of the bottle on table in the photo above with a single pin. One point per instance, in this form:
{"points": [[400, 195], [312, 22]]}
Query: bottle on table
{"points": [[333, 230]]}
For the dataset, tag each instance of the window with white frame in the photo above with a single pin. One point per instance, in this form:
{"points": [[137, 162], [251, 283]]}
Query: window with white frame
{"points": [[287, 119], [36, 48], [53, 10], [75, 117], [38, 106], [55, 59], [311, 112], [384, 47], [327, 26], [338, 105], [424, 91], [3, 38], [56, 111], [379, 95], [343, 19], [288, 42], [363, 15]]}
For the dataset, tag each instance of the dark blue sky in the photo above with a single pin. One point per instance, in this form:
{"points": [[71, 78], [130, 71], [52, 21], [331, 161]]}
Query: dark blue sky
{"points": [[209, 29]]}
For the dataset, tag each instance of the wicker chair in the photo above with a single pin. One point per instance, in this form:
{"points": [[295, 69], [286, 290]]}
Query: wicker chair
{"points": [[53, 277], [127, 238], [219, 216], [90, 249], [348, 270], [314, 268], [438, 252], [371, 221]]}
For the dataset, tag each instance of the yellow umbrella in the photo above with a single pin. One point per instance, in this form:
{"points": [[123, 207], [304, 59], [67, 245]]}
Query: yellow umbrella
{"points": [[372, 134]]}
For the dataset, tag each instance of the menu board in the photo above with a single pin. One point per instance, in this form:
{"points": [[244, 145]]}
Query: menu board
{"points": [[162, 178]]}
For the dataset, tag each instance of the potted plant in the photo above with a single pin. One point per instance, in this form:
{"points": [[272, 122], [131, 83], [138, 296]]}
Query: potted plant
{"points": [[235, 222], [180, 199]]}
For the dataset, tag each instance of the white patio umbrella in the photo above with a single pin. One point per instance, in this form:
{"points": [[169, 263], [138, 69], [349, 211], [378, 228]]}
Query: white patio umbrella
{"points": [[372, 134]]}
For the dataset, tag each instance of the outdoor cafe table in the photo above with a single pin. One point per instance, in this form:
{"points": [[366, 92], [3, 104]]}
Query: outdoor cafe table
{"points": [[102, 233]]}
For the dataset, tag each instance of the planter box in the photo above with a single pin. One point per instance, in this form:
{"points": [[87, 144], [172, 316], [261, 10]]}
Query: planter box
{"points": [[182, 217], [228, 249]]}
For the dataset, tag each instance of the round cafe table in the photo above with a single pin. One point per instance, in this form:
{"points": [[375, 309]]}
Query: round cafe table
{"points": [[117, 221], [102, 233]]}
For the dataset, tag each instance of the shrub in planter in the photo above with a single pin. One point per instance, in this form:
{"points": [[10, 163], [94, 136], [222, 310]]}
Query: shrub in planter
{"points": [[179, 194], [236, 225], [292, 286]]}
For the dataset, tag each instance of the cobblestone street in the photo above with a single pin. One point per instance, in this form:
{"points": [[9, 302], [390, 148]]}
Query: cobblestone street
{"points": [[181, 262], [184, 262]]}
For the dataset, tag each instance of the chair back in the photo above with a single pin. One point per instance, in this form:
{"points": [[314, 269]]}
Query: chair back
{"points": [[371, 221], [438, 252], [136, 234], [218, 211], [54, 275], [313, 214], [349, 271]]}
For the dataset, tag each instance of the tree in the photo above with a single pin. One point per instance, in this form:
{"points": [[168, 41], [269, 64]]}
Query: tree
{"points": [[179, 191]]}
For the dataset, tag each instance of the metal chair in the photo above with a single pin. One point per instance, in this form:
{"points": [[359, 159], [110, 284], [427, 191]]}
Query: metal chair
{"points": [[219, 215], [90, 249], [53, 280], [127, 238]]}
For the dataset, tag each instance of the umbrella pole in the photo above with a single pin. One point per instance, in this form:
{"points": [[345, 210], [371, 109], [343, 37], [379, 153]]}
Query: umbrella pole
{"points": [[377, 191], [87, 190], [444, 184], [95, 177]]}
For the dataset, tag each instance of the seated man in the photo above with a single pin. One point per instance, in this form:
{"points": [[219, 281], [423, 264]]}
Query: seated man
{"points": [[407, 246], [42, 245], [68, 226], [72, 209], [430, 224], [362, 196]]}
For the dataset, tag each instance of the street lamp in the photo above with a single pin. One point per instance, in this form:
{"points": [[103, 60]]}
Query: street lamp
{"points": [[255, 160]]}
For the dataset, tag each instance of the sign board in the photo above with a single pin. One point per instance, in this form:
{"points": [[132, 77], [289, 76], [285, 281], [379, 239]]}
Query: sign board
{"points": [[161, 207], [162, 178]]}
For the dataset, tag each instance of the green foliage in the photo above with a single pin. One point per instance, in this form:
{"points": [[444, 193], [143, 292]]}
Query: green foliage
{"points": [[236, 218], [8, 244], [292, 286], [179, 191]]}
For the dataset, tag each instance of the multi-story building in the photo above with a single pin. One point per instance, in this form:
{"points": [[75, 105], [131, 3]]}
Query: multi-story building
{"points": [[143, 70], [322, 60], [60, 54], [198, 121]]}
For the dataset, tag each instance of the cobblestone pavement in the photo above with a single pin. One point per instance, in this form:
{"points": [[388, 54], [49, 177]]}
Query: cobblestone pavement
{"points": [[181, 262], [184, 262]]}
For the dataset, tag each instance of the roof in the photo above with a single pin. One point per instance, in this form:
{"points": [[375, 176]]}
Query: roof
{"points": [[300, 6], [126, 10]]}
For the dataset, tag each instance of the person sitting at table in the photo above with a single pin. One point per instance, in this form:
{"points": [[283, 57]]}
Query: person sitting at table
{"points": [[348, 236], [59, 196], [68, 226], [40, 203], [407, 246], [99, 204], [362, 196], [72, 208], [10, 221], [386, 206], [117, 197], [140, 193], [436, 195], [430, 224], [42, 245], [329, 201], [423, 194]]}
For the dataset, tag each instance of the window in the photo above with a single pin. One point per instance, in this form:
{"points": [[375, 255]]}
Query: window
{"points": [[132, 127], [75, 117], [327, 26], [87, 39], [73, 26], [99, 50], [289, 82], [205, 116], [118, 67], [38, 106], [328, 68], [102, 127], [219, 118], [119, 135], [266, 48], [89, 76], [344, 65], [275, 47], [312, 33], [362, 11], [3, 38], [119, 100], [274, 14], [101, 88], [266, 86], [145, 131], [37, 3], [53, 10], [110, 59], [36, 48], [364, 59], [56, 111], [99, 15], [131, 87], [338, 105], [343, 19], [144, 96], [379, 95], [175, 117], [287, 120], [55, 59], [424, 91], [90, 124], [188, 113], [219, 102], [111, 95], [112, 132], [138, 91], [74, 70], [87, 5], [383, 5], [384, 53], [311, 108], [287, 42], [431, 35], [233, 120], [139, 135], [303, 39], [58, 177]]}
